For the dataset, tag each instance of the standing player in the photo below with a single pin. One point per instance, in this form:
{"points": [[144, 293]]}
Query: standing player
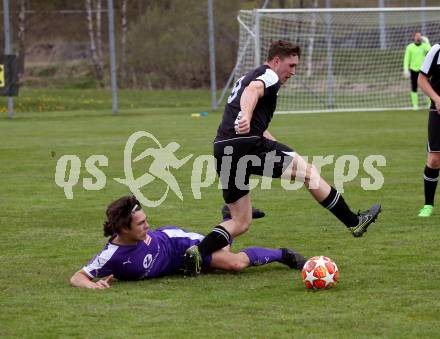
{"points": [[414, 54], [135, 252], [429, 82], [243, 137]]}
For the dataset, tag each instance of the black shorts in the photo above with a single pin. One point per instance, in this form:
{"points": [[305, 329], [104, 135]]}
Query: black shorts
{"points": [[433, 131], [414, 78], [238, 158]]}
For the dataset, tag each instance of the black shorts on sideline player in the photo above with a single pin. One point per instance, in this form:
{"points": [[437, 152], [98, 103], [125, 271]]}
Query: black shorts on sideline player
{"points": [[235, 183], [433, 131]]}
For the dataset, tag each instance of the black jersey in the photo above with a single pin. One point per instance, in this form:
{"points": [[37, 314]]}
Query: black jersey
{"points": [[264, 109], [431, 68]]}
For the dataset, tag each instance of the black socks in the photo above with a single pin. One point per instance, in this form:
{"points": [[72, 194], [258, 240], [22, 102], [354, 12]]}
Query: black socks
{"points": [[430, 178], [335, 203], [217, 239]]}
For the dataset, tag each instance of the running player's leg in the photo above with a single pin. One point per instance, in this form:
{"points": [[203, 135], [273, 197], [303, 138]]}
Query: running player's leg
{"points": [[239, 203], [431, 172], [221, 235], [241, 216], [256, 213], [430, 178], [329, 197], [288, 164], [235, 195]]}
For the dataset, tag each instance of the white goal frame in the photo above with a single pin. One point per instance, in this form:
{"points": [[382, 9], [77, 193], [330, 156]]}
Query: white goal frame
{"points": [[324, 34]]}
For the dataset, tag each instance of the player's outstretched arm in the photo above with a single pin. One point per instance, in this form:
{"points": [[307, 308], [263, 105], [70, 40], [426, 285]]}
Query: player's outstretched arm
{"points": [[248, 101], [426, 40], [81, 279], [426, 87]]}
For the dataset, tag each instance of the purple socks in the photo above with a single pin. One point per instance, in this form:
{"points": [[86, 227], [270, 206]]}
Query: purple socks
{"points": [[262, 256]]}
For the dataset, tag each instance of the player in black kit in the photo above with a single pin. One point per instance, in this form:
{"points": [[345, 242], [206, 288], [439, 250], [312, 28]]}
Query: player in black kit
{"points": [[429, 82], [243, 146]]}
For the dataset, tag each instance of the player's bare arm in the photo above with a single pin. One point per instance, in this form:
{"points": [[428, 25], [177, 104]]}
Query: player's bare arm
{"points": [[269, 136], [248, 101], [429, 91], [81, 279]]}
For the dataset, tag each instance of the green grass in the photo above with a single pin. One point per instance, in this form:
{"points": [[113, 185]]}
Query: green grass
{"points": [[31, 101], [389, 278]]}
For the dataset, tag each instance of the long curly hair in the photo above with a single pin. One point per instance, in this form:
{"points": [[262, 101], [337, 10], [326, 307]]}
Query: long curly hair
{"points": [[119, 215]]}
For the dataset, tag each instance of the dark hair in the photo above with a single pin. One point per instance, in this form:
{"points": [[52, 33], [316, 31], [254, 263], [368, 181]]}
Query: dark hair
{"points": [[119, 214], [283, 49]]}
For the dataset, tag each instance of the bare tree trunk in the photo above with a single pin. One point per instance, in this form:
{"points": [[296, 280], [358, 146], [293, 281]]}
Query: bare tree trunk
{"points": [[99, 72], [134, 82], [21, 41], [99, 34], [123, 40], [141, 7]]}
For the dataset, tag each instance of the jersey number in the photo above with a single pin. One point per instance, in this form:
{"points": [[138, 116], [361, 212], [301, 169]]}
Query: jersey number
{"points": [[235, 90]]}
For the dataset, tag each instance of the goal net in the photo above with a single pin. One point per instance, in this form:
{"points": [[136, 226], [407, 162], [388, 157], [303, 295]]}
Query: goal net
{"points": [[352, 59]]}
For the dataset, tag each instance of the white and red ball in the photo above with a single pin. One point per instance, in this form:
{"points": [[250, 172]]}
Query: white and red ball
{"points": [[320, 272]]}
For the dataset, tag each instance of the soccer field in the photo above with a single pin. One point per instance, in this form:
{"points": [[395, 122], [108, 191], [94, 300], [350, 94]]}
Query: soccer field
{"points": [[389, 278]]}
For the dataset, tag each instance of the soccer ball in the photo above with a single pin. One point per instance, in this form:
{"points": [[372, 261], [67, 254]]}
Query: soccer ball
{"points": [[320, 272]]}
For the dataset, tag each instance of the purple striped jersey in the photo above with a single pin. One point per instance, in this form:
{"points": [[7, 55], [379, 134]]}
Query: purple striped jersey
{"points": [[161, 254]]}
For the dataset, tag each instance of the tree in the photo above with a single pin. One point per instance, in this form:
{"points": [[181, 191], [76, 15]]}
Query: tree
{"points": [[96, 56], [21, 40], [99, 33], [123, 64]]}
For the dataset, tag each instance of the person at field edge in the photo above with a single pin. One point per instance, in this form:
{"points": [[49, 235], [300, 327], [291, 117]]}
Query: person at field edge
{"points": [[243, 135], [429, 82], [135, 252], [415, 52]]}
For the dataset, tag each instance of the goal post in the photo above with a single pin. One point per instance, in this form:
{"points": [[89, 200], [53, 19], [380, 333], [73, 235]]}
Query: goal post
{"points": [[352, 58]]}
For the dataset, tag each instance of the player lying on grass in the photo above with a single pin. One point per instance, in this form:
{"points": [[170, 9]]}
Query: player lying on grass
{"points": [[135, 252]]}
